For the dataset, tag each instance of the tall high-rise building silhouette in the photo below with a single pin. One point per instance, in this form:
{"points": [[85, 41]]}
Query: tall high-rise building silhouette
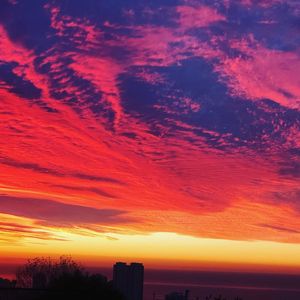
{"points": [[129, 280]]}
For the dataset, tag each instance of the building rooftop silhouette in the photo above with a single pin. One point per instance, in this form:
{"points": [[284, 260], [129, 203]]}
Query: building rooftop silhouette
{"points": [[178, 296], [129, 280]]}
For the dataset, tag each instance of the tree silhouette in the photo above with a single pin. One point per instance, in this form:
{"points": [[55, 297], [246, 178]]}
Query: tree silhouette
{"points": [[64, 279], [78, 286], [39, 272], [6, 283]]}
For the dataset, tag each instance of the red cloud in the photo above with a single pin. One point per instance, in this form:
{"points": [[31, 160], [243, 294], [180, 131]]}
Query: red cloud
{"points": [[169, 182], [12, 52], [102, 73]]}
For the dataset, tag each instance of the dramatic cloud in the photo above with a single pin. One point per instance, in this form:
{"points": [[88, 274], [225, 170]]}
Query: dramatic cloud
{"points": [[58, 213], [180, 116]]}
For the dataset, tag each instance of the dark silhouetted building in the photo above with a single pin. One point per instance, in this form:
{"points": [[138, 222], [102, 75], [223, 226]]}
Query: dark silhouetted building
{"points": [[178, 296], [129, 280]]}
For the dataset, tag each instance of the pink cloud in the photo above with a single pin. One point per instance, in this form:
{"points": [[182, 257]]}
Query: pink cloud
{"points": [[263, 74], [102, 73], [198, 16]]}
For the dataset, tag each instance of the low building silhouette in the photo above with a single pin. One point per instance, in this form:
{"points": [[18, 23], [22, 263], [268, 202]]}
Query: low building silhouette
{"points": [[178, 296], [129, 280]]}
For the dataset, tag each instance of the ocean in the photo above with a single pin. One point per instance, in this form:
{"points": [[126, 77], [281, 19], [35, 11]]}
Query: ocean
{"points": [[157, 291], [248, 286]]}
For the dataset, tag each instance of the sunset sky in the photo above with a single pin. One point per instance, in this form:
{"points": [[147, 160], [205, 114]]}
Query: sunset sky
{"points": [[166, 132]]}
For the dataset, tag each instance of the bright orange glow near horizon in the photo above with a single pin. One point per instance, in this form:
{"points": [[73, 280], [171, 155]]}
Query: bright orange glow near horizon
{"points": [[167, 133], [163, 250]]}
